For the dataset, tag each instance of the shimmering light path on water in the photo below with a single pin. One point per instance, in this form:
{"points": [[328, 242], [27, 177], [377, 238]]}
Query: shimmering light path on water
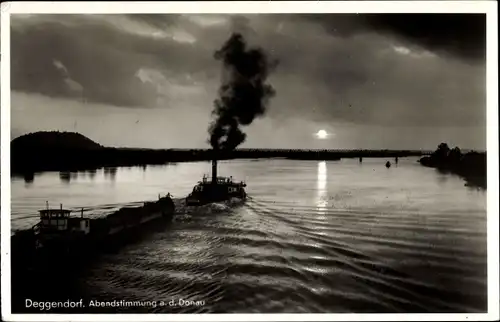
{"points": [[314, 237]]}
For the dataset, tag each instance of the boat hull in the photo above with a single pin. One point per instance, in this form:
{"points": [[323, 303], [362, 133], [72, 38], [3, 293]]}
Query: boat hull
{"points": [[201, 200]]}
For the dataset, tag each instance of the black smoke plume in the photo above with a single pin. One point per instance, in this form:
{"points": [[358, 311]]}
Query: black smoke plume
{"points": [[243, 94]]}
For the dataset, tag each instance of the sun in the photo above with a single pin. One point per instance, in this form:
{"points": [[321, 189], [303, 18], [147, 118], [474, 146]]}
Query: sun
{"points": [[322, 134]]}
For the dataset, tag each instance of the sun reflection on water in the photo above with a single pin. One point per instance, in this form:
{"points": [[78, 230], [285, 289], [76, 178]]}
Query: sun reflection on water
{"points": [[322, 188]]}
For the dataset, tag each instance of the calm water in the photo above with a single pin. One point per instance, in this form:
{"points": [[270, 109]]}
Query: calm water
{"points": [[314, 237]]}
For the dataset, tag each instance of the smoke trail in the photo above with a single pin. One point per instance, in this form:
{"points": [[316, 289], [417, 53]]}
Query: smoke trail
{"points": [[243, 95]]}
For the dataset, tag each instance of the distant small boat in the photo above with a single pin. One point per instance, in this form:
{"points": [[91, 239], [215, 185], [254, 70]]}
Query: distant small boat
{"points": [[387, 164]]}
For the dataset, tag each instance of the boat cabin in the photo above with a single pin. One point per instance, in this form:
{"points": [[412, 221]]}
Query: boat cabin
{"points": [[221, 181], [207, 183], [60, 220]]}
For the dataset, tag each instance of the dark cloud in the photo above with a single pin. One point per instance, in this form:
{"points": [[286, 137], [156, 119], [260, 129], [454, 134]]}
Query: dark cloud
{"points": [[101, 57], [364, 69], [157, 20], [461, 35]]}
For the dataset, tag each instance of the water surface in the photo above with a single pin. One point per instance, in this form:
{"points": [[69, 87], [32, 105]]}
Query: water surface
{"points": [[314, 237]]}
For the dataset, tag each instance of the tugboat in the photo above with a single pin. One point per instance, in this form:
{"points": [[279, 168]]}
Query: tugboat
{"points": [[215, 189]]}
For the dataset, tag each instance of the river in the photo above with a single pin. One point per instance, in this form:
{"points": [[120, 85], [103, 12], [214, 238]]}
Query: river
{"points": [[315, 236]]}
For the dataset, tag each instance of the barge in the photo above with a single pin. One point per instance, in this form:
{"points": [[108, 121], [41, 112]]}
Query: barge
{"points": [[46, 258], [61, 233], [215, 189]]}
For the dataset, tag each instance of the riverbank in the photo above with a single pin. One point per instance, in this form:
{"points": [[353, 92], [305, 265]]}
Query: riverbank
{"points": [[470, 166], [67, 151]]}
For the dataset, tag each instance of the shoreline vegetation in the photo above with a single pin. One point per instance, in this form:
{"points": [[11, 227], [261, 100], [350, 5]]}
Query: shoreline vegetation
{"points": [[70, 151], [471, 166]]}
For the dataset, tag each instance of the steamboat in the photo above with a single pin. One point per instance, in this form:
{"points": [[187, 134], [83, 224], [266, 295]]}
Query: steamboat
{"points": [[215, 189]]}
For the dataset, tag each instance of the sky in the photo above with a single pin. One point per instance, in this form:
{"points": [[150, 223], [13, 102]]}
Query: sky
{"points": [[371, 81]]}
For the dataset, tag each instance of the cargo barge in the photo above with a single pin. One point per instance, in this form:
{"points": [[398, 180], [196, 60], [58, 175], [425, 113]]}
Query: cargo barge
{"points": [[46, 259], [216, 189], [67, 236]]}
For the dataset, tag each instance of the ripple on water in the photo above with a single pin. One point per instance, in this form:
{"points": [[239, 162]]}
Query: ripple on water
{"points": [[367, 241]]}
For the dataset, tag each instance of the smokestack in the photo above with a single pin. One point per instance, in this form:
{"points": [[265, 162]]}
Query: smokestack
{"points": [[214, 171]]}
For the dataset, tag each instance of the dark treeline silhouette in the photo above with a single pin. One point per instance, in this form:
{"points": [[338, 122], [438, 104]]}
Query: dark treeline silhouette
{"points": [[68, 151], [471, 166]]}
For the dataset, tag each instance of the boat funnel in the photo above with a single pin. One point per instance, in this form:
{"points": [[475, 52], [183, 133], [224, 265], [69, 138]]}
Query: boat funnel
{"points": [[214, 171]]}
